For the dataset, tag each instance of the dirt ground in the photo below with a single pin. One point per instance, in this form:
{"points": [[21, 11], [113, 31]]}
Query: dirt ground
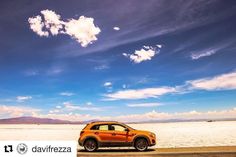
{"points": [[224, 151]]}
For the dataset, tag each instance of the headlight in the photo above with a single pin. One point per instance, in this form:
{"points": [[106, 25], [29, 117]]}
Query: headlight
{"points": [[152, 135]]}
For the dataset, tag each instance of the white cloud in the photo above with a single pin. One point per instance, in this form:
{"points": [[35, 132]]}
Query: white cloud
{"points": [[7, 111], [146, 47], [152, 115], [116, 28], [107, 84], [196, 56], [16, 111], [55, 111], [72, 107], [23, 98], [37, 25], [159, 46], [70, 116], [144, 105], [140, 93], [67, 93], [220, 82], [83, 30], [185, 18], [144, 54], [52, 21]]}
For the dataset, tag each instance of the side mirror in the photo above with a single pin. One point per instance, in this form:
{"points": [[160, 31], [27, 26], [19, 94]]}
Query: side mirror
{"points": [[126, 129]]}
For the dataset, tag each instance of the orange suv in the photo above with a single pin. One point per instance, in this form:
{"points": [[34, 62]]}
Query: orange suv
{"points": [[114, 134]]}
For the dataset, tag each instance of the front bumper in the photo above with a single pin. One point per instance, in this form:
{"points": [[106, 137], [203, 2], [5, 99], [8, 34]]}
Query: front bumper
{"points": [[152, 142]]}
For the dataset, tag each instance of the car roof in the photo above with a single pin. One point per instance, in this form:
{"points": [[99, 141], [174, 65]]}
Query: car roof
{"points": [[91, 124], [104, 122]]}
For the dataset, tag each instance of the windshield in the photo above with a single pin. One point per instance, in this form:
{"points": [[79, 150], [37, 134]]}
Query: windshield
{"points": [[128, 126]]}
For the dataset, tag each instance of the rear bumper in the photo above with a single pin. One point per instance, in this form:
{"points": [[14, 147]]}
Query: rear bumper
{"points": [[80, 142]]}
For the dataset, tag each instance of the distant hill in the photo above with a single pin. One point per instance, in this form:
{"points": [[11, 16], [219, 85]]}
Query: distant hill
{"points": [[34, 120], [186, 120]]}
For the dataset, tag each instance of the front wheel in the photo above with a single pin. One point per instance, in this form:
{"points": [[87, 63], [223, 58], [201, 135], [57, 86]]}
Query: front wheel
{"points": [[90, 145], [141, 144]]}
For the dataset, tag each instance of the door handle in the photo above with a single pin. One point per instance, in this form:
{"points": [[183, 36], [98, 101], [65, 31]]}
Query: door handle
{"points": [[96, 133]]}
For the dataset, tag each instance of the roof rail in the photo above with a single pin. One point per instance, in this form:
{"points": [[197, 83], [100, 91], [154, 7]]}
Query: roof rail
{"points": [[102, 121]]}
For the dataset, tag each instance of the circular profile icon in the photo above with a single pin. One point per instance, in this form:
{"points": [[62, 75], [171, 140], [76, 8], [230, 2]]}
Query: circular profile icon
{"points": [[22, 148]]}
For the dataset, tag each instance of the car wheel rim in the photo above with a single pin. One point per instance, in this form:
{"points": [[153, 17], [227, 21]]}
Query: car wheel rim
{"points": [[141, 144], [90, 145]]}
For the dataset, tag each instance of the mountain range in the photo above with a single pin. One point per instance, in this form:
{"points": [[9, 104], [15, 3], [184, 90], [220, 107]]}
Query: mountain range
{"points": [[35, 120]]}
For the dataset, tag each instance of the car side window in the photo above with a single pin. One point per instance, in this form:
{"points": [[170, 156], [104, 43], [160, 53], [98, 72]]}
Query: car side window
{"points": [[95, 127], [103, 127], [117, 127]]}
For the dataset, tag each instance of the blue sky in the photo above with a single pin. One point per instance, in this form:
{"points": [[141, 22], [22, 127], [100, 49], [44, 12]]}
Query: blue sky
{"points": [[82, 60]]}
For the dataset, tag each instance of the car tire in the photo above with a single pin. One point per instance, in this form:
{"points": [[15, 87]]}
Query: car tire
{"points": [[141, 144], [90, 145]]}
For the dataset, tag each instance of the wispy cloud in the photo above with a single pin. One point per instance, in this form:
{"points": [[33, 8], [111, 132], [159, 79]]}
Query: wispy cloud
{"points": [[89, 103], [68, 107], [140, 93], [71, 116], [101, 67], [67, 94], [202, 54], [210, 50], [186, 18], [58, 107], [72, 107], [23, 98], [144, 105], [124, 86], [152, 115], [220, 82], [7, 111], [83, 30], [31, 72], [16, 111], [144, 54], [55, 70]]}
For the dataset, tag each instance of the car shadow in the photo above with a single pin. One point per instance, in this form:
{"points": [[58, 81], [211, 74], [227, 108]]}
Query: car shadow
{"points": [[115, 150]]}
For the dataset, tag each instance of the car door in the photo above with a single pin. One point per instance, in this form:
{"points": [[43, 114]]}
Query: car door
{"points": [[103, 132], [118, 133]]}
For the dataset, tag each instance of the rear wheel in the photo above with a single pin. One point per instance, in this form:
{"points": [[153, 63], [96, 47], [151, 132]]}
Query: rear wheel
{"points": [[90, 145], [141, 144]]}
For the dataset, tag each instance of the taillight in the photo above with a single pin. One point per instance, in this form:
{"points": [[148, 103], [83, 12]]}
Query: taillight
{"points": [[81, 133]]}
